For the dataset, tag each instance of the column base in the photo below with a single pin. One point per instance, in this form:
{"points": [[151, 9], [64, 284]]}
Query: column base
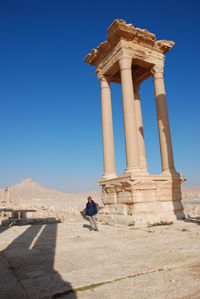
{"points": [[109, 176], [141, 200], [172, 173], [136, 171]]}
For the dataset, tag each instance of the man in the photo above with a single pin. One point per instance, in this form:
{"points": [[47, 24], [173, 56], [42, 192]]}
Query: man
{"points": [[90, 212]]}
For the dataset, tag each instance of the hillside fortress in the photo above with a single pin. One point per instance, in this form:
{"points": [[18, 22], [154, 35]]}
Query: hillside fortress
{"points": [[128, 57]]}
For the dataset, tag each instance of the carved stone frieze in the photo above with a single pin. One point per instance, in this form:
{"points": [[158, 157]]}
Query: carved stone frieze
{"points": [[117, 187]]}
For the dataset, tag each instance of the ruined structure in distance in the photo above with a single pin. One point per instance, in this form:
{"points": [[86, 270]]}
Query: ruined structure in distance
{"points": [[128, 57]]}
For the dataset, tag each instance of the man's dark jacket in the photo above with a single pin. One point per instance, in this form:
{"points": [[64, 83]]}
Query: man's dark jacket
{"points": [[91, 208]]}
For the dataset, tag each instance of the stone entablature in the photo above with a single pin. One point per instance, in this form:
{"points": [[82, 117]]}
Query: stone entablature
{"points": [[129, 56], [126, 40]]}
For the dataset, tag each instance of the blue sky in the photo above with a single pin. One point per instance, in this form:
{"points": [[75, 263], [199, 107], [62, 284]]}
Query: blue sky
{"points": [[50, 119]]}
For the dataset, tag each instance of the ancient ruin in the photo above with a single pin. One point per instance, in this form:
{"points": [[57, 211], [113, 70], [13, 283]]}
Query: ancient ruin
{"points": [[128, 57], [4, 195]]}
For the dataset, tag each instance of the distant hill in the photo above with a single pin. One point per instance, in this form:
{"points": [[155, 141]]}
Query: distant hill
{"points": [[29, 192]]}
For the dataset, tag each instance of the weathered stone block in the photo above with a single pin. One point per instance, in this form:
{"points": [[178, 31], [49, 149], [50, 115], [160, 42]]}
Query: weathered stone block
{"points": [[145, 208], [171, 206], [119, 209], [144, 195], [124, 198], [105, 210], [109, 198], [116, 219]]}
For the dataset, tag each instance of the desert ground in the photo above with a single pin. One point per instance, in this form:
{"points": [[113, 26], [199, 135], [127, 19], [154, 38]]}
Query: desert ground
{"points": [[67, 260]]}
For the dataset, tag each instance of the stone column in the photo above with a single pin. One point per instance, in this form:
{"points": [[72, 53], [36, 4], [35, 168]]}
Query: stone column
{"points": [[130, 127], [107, 127], [138, 111], [163, 121]]}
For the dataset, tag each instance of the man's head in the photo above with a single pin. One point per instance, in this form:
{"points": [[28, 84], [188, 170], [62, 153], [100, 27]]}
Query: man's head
{"points": [[89, 198]]}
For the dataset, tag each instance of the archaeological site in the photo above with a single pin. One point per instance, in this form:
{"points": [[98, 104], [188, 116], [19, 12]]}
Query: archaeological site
{"points": [[146, 242]]}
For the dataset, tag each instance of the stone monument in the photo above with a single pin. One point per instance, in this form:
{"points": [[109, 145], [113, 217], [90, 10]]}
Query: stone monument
{"points": [[4, 195], [128, 57]]}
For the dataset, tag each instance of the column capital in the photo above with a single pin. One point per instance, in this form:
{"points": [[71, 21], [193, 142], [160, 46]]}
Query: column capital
{"points": [[104, 80], [125, 62], [157, 71]]}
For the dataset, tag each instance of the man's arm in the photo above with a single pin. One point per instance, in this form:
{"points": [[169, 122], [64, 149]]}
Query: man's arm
{"points": [[95, 208], [86, 209]]}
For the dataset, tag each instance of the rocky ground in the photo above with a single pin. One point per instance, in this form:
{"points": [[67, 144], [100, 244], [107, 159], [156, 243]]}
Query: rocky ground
{"points": [[66, 260]]}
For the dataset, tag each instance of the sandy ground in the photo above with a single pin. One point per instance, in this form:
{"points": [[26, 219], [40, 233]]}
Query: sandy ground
{"points": [[66, 260]]}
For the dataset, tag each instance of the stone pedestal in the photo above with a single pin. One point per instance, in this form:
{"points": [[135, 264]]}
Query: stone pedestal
{"points": [[147, 200]]}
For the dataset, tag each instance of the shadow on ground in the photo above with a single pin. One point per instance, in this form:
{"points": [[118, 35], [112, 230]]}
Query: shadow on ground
{"points": [[192, 219], [27, 266], [3, 228], [87, 226]]}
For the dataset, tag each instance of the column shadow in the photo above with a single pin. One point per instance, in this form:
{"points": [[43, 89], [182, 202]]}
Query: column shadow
{"points": [[3, 228], [177, 179], [29, 266]]}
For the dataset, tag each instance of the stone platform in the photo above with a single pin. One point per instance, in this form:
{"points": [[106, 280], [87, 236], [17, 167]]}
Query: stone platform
{"points": [[142, 200]]}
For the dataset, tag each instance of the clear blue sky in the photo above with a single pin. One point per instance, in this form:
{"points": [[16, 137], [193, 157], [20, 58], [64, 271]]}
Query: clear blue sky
{"points": [[50, 113]]}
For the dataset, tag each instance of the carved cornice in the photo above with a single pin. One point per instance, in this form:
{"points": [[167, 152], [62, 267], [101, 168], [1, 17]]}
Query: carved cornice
{"points": [[164, 45], [120, 30]]}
